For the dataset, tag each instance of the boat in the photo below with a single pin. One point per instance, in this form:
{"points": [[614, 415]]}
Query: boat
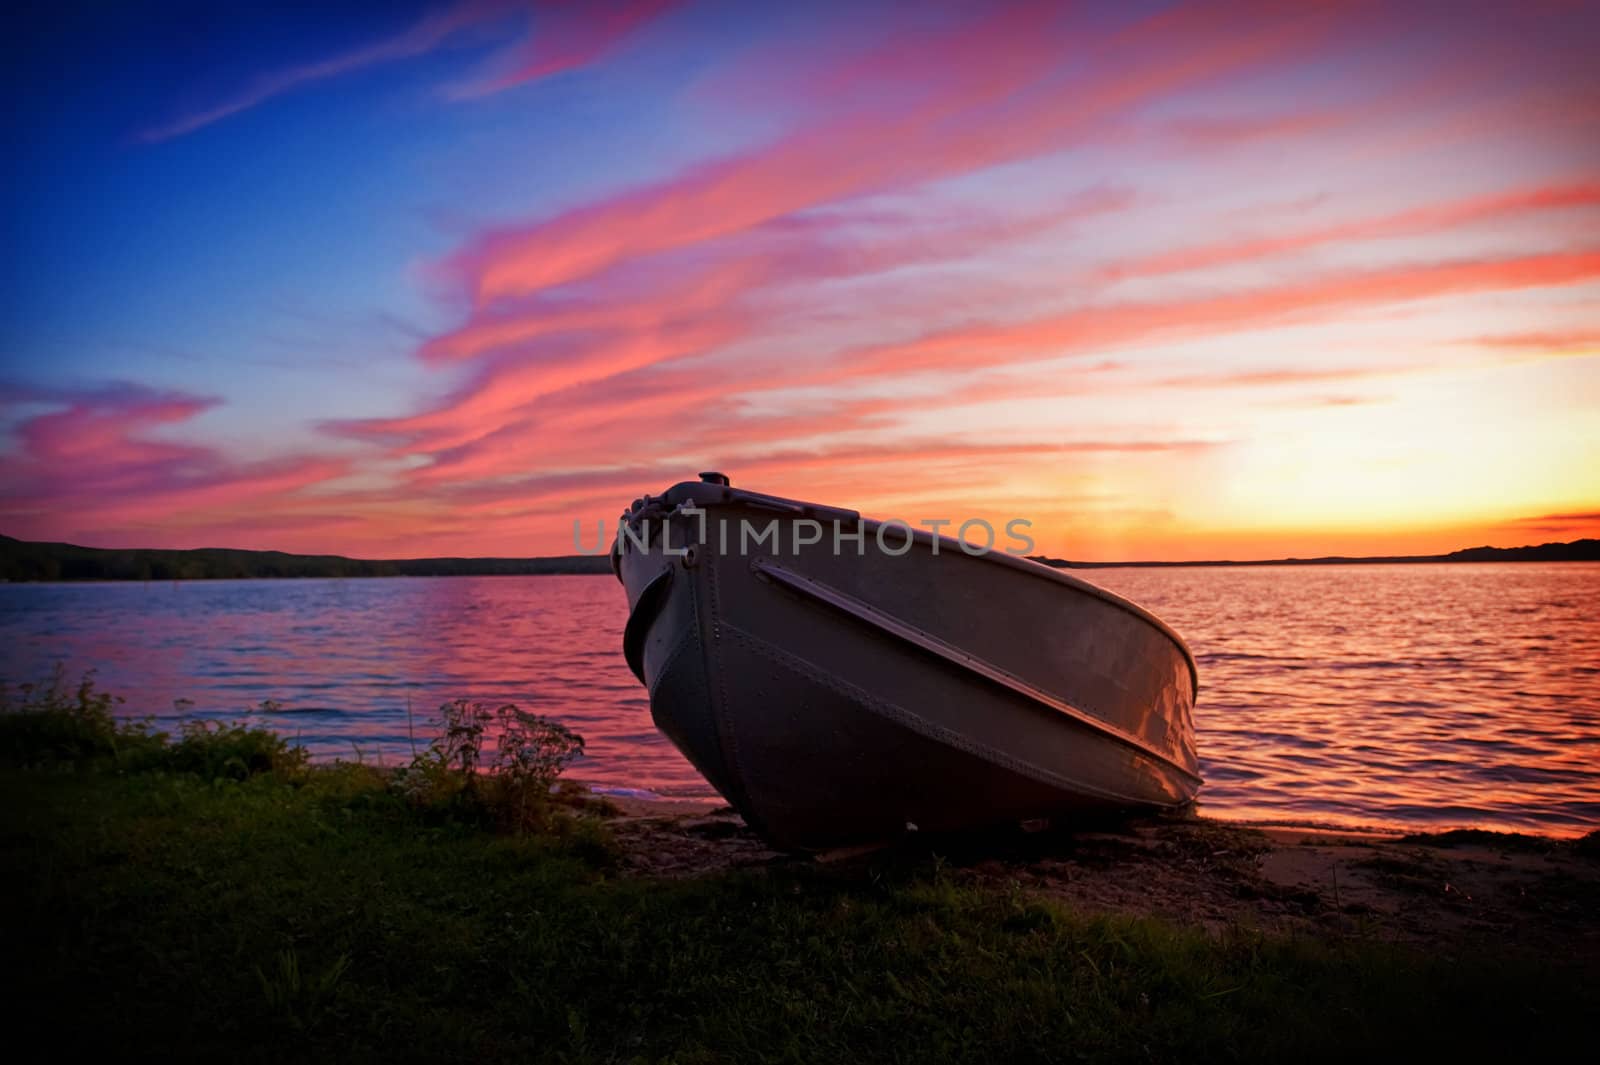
{"points": [[843, 681]]}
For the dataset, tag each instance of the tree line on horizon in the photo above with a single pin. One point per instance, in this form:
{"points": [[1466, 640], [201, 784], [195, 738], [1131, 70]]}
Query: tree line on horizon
{"points": [[23, 560]]}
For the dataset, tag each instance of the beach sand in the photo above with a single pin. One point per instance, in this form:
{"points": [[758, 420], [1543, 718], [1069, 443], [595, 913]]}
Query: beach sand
{"points": [[1457, 888]]}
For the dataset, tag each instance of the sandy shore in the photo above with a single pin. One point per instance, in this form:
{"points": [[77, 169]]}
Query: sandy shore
{"points": [[1523, 892]]}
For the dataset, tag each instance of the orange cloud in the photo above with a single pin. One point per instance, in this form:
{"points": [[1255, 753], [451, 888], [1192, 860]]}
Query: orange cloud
{"points": [[1544, 343]]}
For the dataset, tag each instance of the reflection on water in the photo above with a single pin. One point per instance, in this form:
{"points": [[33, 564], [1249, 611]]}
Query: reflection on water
{"points": [[1354, 695]]}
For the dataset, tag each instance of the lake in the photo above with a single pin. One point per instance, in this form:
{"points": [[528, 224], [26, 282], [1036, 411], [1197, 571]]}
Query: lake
{"points": [[1426, 696]]}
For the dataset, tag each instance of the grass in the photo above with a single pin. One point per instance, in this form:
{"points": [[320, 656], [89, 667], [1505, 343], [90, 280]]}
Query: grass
{"points": [[319, 913]]}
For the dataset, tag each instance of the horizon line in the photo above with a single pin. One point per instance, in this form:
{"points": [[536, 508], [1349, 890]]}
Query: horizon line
{"points": [[1047, 560]]}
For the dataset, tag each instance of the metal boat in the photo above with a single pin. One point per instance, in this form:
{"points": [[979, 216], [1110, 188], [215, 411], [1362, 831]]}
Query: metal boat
{"points": [[842, 681]]}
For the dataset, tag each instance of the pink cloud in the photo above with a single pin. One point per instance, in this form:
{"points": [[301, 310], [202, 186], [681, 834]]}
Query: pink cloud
{"points": [[520, 414], [557, 38], [566, 37], [691, 306], [93, 458], [424, 36], [782, 252], [1095, 329], [1430, 218], [962, 106]]}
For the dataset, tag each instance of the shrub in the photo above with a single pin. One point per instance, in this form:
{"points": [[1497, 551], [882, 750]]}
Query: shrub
{"points": [[214, 749], [489, 765], [508, 782], [533, 751], [54, 723]]}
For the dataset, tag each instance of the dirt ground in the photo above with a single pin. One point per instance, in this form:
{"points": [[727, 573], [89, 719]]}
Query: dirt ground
{"points": [[1508, 891]]}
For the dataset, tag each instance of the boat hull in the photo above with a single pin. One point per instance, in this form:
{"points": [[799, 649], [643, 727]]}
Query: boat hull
{"points": [[841, 697]]}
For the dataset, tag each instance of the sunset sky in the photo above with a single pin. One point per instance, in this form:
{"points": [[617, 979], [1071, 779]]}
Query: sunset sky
{"points": [[1212, 280]]}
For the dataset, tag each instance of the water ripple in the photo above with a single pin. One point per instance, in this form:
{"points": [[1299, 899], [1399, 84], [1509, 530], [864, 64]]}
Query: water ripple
{"points": [[1422, 696]]}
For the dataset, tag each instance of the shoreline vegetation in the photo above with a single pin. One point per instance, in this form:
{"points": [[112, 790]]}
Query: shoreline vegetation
{"points": [[29, 561], [215, 895]]}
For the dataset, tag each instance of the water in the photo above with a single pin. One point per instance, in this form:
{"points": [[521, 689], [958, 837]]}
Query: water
{"points": [[1416, 696]]}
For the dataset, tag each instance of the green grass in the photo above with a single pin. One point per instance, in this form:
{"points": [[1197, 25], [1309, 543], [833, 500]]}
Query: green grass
{"points": [[214, 897], [162, 914]]}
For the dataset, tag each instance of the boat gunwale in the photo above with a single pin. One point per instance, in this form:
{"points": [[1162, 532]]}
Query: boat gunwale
{"points": [[704, 495]]}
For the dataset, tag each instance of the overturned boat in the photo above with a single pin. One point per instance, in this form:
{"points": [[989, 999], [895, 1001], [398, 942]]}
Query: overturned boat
{"points": [[842, 681]]}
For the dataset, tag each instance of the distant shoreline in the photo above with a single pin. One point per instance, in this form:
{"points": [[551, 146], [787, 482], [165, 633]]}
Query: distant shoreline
{"points": [[25, 561], [1572, 551]]}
